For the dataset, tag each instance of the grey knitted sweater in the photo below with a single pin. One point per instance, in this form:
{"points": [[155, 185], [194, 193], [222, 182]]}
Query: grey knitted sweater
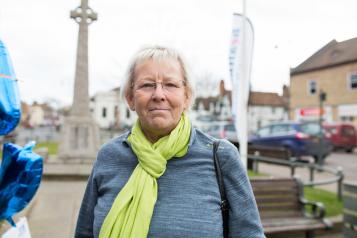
{"points": [[188, 203]]}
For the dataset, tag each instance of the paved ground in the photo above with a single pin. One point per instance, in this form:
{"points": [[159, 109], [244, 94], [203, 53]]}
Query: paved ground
{"points": [[345, 160], [56, 208]]}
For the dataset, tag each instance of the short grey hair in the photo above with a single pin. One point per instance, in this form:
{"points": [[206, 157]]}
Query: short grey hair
{"points": [[156, 53]]}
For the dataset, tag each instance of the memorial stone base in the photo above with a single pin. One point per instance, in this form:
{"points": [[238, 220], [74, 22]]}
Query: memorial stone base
{"points": [[79, 140]]}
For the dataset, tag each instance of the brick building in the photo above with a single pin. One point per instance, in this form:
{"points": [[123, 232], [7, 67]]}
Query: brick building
{"points": [[333, 70]]}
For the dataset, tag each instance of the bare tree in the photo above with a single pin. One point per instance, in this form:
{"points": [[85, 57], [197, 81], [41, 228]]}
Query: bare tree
{"points": [[206, 84]]}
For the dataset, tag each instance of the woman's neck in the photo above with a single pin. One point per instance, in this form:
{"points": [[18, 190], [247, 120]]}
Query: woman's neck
{"points": [[153, 135]]}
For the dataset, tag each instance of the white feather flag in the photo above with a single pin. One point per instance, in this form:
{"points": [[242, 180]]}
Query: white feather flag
{"points": [[240, 61]]}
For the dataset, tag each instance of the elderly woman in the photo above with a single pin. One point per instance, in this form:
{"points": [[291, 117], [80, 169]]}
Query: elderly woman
{"points": [[159, 179]]}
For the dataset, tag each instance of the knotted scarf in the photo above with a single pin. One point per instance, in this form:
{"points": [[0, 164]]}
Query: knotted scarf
{"points": [[132, 209]]}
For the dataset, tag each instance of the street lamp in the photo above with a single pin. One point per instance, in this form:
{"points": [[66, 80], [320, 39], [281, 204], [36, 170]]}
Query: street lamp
{"points": [[322, 98]]}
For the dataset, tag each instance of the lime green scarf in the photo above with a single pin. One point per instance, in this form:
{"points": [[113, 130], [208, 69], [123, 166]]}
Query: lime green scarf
{"points": [[131, 212]]}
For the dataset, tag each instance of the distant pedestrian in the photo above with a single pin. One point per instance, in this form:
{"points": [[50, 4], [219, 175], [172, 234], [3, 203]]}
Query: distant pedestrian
{"points": [[159, 179]]}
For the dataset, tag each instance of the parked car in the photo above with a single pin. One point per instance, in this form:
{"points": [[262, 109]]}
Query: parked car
{"points": [[298, 138], [343, 136], [224, 130]]}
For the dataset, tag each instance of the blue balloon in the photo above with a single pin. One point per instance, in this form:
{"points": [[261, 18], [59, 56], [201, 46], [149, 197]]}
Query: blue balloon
{"points": [[20, 176], [10, 105]]}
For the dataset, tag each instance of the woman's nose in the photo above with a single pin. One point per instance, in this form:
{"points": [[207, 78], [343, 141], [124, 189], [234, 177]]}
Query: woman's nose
{"points": [[159, 93]]}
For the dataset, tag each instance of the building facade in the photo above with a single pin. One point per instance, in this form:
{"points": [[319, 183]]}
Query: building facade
{"points": [[331, 71], [265, 108], [110, 111]]}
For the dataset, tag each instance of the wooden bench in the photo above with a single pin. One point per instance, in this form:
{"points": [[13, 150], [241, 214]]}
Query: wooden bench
{"points": [[271, 155], [283, 208], [273, 152]]}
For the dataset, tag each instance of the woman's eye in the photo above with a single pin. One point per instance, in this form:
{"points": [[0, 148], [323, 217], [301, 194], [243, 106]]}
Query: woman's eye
{"points": [[148, 85], [171, 85]]}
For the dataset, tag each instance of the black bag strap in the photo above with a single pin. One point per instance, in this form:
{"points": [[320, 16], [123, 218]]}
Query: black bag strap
{"points": [[224, 201]]}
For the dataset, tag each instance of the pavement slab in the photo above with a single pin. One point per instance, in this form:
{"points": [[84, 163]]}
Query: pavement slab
{"points": [[56, 209]]}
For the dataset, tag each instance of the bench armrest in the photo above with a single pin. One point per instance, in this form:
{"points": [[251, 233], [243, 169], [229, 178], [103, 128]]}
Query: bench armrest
{"points": [[317, 208], [318, 211]]}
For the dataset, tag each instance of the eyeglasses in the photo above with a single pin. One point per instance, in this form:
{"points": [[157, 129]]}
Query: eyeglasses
{"points": [[167, 86]]}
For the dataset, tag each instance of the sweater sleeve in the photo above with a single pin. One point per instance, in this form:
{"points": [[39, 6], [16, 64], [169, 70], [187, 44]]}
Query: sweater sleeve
{"points": [[244, 220], [84, 228]]}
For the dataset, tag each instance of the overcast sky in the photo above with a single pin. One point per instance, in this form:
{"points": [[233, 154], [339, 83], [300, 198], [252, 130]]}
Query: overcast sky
{"points": [[42, 39]]}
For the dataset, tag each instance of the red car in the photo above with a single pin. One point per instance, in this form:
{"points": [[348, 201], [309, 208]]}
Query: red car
{"points": [[342, 135]]}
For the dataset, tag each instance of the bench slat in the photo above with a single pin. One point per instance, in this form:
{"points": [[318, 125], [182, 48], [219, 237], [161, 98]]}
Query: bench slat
{"points": [[281, 215], [292, 224], [276, 153], [278, 207], [274, 199], [281, 192], [286, 185]]}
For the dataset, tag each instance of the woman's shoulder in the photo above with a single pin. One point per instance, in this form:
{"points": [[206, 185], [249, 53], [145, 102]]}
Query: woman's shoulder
{"points": [[226, 149], [227, 153], [114, 147], [115, 142], [204, 138]]}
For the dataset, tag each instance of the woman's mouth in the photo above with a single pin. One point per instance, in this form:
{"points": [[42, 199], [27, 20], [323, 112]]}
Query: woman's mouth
{"points": [[158, 109]]}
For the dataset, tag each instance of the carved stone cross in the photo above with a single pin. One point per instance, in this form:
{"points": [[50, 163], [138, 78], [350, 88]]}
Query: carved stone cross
{"points": [[84, 16]]}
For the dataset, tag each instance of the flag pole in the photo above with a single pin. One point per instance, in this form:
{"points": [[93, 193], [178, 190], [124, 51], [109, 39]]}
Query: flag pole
{"points": [[242, 100]]}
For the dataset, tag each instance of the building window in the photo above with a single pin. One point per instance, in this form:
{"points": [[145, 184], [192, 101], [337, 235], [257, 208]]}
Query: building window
{"points": [[104, 112], [352, 81], [312, 87], [347, 118], [116, 111]]}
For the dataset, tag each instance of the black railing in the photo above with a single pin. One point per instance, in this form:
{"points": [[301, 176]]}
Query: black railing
{"points": [[337, 175]]}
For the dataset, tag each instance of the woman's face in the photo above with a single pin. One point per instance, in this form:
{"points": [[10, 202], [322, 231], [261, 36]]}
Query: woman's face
{"points": [[159, 96]]}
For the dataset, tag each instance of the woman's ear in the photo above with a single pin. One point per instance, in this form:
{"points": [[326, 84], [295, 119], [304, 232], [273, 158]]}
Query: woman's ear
{"points": [[130, 101], [187, 103]]}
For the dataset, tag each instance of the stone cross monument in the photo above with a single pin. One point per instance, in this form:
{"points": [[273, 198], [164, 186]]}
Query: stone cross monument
{"points": [[80, 134]]}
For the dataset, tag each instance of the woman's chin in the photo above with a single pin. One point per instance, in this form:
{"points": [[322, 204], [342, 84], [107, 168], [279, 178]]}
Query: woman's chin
{"points": [[161, 126]]}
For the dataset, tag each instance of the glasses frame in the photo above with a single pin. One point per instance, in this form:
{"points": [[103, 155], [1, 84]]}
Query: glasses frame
{"points": [[164, 89]]}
